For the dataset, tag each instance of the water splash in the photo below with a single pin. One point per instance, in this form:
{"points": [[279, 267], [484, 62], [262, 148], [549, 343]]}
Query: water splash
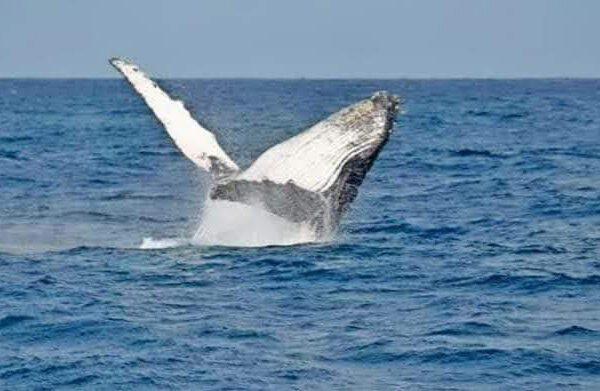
{"points": [[234, 224], [154, 244]]}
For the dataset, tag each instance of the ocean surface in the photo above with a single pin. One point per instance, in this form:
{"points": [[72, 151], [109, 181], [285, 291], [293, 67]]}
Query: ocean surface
{"points": [[470, 260]]}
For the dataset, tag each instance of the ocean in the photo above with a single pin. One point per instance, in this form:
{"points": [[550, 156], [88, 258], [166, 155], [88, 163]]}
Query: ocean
{"points": [[469, 261]]}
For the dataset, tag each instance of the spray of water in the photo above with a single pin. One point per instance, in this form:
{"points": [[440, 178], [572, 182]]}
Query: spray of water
{"points": [[224, 223], [153, 244], [235, 224]]}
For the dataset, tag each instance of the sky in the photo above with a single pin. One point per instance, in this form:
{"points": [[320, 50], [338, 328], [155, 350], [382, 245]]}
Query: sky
{"points": [[307, 38]]}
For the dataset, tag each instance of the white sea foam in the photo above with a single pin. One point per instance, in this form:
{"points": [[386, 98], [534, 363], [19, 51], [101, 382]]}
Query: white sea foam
{"points": [[235, 224], [153, 244], [225, 223]]}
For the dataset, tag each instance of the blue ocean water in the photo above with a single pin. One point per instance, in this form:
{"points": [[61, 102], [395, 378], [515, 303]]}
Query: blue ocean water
{"points": [[470, 260]]}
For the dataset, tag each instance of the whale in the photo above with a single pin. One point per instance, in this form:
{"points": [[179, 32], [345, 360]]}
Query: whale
{"points": [[311, 178]]}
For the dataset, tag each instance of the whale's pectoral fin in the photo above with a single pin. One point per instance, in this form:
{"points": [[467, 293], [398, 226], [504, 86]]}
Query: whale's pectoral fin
{"points": [[197, 143], [315, 175]]}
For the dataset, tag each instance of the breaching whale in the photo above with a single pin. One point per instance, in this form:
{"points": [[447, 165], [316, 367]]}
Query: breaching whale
{"points": [[311, 178]]}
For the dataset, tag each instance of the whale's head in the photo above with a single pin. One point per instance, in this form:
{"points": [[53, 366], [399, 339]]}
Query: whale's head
{"points": [[386, 101], [389, 104], [371, 119]]}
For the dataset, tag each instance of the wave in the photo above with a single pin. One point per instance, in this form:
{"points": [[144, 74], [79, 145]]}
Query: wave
{"points": [[467, 329], [576, 331], [515, 115], [395, 228], [11, 320], [159, 153], [10, 155], [14, 139], [529, 283], [466, 152], [480, 113]]}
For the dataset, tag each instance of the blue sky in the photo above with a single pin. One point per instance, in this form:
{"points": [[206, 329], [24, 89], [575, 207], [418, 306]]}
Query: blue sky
{"points": [[308, 38]]}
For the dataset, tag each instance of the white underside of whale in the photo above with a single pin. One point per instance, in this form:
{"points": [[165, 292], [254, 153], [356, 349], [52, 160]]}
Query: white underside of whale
{"points": [[314, 158]]}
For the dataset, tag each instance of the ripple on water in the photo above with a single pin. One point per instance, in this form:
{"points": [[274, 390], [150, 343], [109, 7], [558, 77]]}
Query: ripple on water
{"points": [[468, 261]]}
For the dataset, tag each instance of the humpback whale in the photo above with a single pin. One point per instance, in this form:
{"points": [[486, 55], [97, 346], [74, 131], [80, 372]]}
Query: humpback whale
{"points": [[311, 178]]}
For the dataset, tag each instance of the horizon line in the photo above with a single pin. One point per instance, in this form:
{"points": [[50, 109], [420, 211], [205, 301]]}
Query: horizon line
{"points": [[300, 78]]}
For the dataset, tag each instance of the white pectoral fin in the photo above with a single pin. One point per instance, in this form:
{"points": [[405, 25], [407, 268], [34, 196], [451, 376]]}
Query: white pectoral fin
{"points": [[197, 143]]}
